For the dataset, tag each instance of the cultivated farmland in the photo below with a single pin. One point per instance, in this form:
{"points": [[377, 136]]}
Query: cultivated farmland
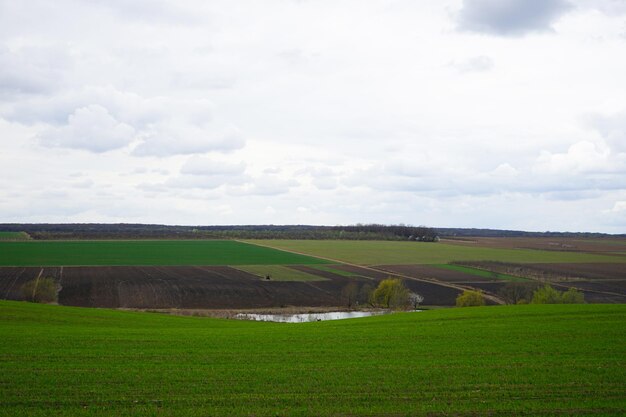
{"points": [[145, 253], [406, 253], [229, 274], [511, 360], [208, 287]]}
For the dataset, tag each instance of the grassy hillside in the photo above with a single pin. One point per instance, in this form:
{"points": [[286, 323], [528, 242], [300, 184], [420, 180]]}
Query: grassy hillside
{"points": [[386, 252], [513, 360], [142, 252]]}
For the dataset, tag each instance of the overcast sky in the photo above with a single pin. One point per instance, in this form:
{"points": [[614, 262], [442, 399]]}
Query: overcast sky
{"points": [[453, 113]]}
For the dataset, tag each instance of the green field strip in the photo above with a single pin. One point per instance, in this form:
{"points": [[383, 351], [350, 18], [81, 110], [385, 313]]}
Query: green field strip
{"points": [[505, 360], [481, 273], [145, 253], [329, 268], [420, 253], [14, 236], [279, 273]]}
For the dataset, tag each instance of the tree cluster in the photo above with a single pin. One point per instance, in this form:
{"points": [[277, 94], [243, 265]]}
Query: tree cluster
{"points": [[390, 293], [548, 295], [518, 292]]}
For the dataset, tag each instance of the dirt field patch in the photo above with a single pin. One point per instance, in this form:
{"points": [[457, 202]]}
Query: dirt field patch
{"points": [[603, 245], [279, 273]]}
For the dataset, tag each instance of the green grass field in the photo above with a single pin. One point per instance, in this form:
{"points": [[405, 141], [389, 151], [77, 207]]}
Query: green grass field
{"points": [[481, 273], [14, 236], [389, 252], [142, 252], [279, 273], [510, 360]]}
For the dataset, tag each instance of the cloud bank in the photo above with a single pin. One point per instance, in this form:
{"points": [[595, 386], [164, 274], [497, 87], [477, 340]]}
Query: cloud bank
{"points": [[476, 113]]}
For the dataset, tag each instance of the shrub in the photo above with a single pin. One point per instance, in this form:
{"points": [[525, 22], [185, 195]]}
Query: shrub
{"points": [[40, 290], [470, 298], [573, 296], [547, 295], [391, 293]]}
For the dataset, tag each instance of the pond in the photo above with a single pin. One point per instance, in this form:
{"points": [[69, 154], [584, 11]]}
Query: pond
{"points": [[308, 317]]}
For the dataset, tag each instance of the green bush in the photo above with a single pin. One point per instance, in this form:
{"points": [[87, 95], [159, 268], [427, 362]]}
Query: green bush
{"points": [[573, 296], [40, 290], [470, 298]]}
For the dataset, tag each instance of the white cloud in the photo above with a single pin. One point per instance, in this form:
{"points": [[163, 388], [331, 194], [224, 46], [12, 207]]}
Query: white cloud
{"points": [[264, 185], [176, 139], [479, 63], [367, 111], [619, 207], [610, 7], [612, 128], [583, 157], [210, 166], [89, 128]]}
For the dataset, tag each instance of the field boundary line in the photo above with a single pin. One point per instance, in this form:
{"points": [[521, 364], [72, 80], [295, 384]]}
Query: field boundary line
{"points": [[37, 283], [491, 297]]}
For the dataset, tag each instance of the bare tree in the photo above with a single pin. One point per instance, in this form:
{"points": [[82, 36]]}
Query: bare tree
{"points": [[349, 294]]}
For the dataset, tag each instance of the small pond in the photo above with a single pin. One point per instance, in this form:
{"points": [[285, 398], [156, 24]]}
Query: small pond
{"points": [[304, 318]]}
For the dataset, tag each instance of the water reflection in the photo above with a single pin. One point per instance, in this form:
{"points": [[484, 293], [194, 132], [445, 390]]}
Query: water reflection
{"points": [[304, 318]]}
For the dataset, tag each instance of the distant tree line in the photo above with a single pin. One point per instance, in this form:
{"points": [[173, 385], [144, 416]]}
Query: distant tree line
{"points": [[449, 232], [148, 231], [350, 232]]}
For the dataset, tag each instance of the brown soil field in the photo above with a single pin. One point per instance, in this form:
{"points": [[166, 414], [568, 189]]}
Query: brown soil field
{"points": [[556, 272], [601, 283], [600, 245], [323, 274], [364, 272], [12, 279], [214, 287], [433, 294], [587, 271], [170, 287]]}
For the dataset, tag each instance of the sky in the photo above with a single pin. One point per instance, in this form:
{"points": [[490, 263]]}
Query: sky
{"points": [[506, 114]]}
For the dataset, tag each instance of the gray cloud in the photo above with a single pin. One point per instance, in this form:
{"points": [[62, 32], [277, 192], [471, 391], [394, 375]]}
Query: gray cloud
{"points": [[510, 17], [31, 70]]}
